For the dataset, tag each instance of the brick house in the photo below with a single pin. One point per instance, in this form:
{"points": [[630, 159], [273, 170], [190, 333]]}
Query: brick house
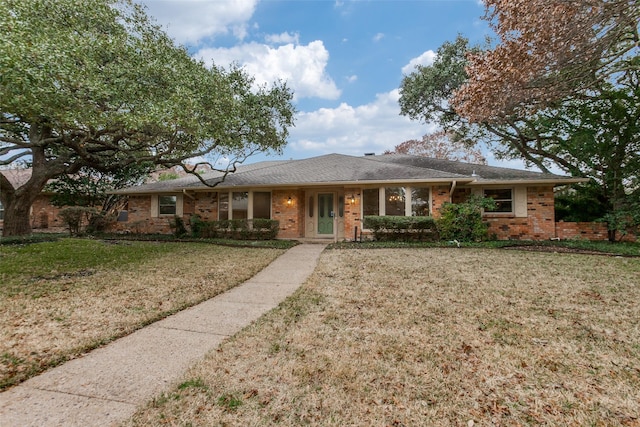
{"points": [[326, 197], [43, 214]]}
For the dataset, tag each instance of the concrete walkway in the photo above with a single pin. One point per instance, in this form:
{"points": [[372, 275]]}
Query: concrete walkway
{"points": [[106, 386]]}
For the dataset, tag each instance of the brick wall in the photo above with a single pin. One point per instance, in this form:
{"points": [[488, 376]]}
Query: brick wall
{"points": [[352, 217], [291, 217], [539, 223], [439, 196], [588, 231], [44, 215]]}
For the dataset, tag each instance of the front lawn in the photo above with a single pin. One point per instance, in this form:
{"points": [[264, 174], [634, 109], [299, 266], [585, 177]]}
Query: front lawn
{"points": [[61, 299], [432, 336]]}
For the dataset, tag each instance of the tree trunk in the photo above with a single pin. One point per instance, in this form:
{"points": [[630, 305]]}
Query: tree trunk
{"points": [[16, 217]]}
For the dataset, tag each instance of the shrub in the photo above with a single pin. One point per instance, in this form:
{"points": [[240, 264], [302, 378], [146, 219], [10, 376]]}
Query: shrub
{"points": [[463, 221], [404, 228], [75, 217], [241, 229], [178, 227]]}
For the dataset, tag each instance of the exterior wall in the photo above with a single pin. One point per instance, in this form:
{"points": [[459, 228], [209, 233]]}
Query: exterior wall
{"points": [[352, 217], [206, 205], [140, 220], [291, 217], [588, 231], [439, 196], [44, 215], [539, 223]]}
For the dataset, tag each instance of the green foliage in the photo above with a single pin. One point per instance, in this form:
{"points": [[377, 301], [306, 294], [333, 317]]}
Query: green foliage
{"points": [[580, 203], [82, 219], [624, 220], [178, 226], [89, 187], [242, 229], [463, 221], [95, 83], [402, 228]]}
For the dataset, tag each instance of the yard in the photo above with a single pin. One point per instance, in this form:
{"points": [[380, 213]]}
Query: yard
{"points": [[406, 337], [61, 299]]}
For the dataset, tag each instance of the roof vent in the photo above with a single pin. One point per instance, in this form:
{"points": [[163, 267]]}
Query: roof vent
{"points": [[369, 154], [474, 173]]}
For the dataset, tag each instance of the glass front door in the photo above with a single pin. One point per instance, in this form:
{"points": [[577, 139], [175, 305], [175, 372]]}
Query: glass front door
{"points": [[325, 213]]}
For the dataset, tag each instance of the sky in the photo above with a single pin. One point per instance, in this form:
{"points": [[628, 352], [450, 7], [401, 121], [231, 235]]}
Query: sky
{"points": [[344, 59]]}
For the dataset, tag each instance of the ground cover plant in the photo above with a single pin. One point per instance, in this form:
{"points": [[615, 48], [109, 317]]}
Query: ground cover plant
{"points": [[61, 299], [431, 336]]}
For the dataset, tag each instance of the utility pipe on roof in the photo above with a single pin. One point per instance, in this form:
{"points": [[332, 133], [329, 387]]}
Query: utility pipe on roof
{"points": [[453, 187]]}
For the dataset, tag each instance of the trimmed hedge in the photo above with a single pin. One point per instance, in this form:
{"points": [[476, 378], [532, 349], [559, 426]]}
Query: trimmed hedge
{"points": [[239, 229], [402, 228]]}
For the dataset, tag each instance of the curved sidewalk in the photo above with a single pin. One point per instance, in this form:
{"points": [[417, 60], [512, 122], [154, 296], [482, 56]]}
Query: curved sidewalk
{"points": [[106, 386]]}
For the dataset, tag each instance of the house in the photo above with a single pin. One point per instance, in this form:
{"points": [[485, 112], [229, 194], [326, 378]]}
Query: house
{"points": [[326, 197], [43, 214]]}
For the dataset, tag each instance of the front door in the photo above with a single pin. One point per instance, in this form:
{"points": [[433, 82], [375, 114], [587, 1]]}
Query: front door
{"points": [[325, 213]]}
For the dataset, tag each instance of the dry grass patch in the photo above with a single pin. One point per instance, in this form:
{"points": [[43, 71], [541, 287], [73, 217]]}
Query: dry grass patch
{"points": [[430, 337], [48, 318]]}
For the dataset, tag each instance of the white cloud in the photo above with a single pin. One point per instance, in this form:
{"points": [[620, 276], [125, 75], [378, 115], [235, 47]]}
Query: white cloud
{"points": [[283, 38], [378, 37], [373, 127], [352, 79], [302, 67], [425, 59], [189, 21]]}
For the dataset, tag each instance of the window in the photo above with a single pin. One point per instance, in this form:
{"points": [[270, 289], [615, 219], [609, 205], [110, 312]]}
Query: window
{"points": [[341, 206], [223, 206], [371, 201], [167, 205], [1, 211], [420, 202], [503, 197], [311, 206], [262, 205], [394, 201], [240, 204]]}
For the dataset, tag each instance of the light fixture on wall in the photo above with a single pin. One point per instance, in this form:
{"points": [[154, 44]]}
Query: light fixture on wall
{"points": [[289, 201], [352, 199]]}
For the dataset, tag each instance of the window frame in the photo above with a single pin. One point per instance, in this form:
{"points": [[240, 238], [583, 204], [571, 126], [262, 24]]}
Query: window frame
{"points": [[174, 204], [511, 200]]}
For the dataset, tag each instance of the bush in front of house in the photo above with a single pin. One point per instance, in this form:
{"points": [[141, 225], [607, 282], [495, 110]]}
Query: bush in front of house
{"points": [[239, 229], [463, 221], [82, 219], [402, 228]]}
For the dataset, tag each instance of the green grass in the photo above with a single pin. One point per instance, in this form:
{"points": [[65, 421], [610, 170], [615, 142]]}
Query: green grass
{"points": [[70, 256]]}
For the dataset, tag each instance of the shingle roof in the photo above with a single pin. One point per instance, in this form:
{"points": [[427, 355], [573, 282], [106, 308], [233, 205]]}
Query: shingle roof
{"points": [[342, 169]]}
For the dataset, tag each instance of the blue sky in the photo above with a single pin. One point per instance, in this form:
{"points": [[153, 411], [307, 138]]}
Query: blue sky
{"points": [[343, 59]]}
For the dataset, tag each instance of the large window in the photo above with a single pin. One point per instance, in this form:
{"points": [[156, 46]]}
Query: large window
{"points": [[240, 204], [371, 201], [262, 204], [420, 202], [167, 205], [223, 206], [394, 201], [503, 197]]}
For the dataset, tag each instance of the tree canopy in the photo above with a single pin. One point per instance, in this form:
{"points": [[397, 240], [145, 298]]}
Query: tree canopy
{"points": [[548, 50], [593, 134], [95, 83], [440, 145]]}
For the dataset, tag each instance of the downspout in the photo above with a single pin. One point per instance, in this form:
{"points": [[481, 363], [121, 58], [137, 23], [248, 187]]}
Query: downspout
{"points": [[453, 187], [184, 191]]}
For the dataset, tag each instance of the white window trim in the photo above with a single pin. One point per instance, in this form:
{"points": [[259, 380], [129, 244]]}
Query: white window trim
{"points": [[155, 206], [512, 212], [249, 202]]}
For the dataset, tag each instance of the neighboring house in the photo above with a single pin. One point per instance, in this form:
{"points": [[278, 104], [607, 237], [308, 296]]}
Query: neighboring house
{"points": [[43, 214], [326, 197]]}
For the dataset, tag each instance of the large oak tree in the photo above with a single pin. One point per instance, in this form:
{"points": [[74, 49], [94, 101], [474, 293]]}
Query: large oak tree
{"points": [[95, 83]]}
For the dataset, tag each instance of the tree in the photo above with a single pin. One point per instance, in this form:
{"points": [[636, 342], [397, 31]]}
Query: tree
{"points": [[440, 145], [594, 134], [90, 187], [548, 50], [95, 84]]}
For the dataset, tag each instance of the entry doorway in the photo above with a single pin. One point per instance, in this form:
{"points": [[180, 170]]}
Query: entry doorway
{"points": [[326, 213]]}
